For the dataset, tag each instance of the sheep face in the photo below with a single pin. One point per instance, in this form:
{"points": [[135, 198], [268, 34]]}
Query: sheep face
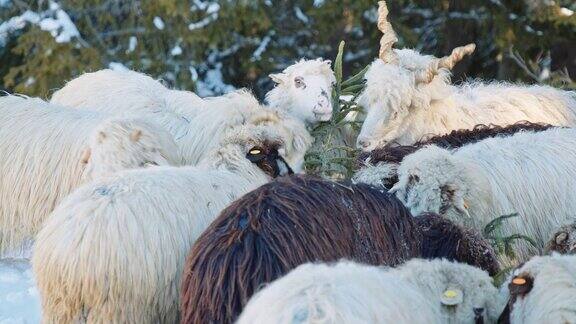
{"points": [[432, 180], [252, 151], [465, 293], [564, 240], [386, 100], [304, 91], [128, 144]]}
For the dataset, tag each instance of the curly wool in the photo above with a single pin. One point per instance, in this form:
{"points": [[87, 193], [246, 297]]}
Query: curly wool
{"points": [[49, 150]]}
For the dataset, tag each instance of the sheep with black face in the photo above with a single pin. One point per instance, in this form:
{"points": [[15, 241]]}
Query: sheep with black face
{"points": [[118, 245]]}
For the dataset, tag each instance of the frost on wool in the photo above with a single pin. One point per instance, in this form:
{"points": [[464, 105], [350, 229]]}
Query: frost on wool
{"points": [[304, 90], [139, 225], [344, 292], [43, 166], [527, 173], [464, 293], [379, 167], [543, 290]]}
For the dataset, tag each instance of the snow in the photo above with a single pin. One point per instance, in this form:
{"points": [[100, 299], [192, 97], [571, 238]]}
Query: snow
{"points": [[5, 3], [318, 3], [257, 55], [19, 298], [16, 23], [116, 66], [300, 15], [61, 27], [158, 22], [177, 50], [213, 83], [566, 12], [211, 10], [54, 20], [132, 43]]}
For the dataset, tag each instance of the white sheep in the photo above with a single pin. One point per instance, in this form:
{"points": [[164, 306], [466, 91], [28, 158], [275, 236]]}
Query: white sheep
{"points": [[304, 91], [47, 151], [196, 124], [114, 250], [128, 93], [465, 294], [409, 95], [345, 292], [531, 174], [542, 291]]}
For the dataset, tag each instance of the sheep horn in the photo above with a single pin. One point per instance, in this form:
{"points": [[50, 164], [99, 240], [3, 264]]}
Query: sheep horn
{"points": [[389, 38], [447, 62]]}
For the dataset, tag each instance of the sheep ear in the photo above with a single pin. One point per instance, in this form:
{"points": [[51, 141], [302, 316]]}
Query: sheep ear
{"points": [[135, 135], [85, 156], [278, 78], [450, 197]]}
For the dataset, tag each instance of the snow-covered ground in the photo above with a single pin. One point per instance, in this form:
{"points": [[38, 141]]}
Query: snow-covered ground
{"points": [[19, 299]]}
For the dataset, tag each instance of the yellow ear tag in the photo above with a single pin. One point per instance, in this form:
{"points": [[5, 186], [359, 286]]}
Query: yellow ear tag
{"points": [[519, 281], [451, 297], [254, 152]]}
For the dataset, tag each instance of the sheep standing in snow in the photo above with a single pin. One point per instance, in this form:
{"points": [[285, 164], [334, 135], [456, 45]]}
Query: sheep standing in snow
{"points": [[564, 240], [542, 291], [409, 95], [379, 167], [299, 219], [118, 245], [464, 293], [46, 151], [531, 174], [345, 292]]}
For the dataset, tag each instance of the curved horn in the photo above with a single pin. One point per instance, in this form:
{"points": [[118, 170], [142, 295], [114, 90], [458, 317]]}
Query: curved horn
{"points": [[447, 62], [389, 38]]}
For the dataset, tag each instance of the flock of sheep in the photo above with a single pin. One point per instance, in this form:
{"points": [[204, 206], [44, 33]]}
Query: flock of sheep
{"points": [[141, 204]]}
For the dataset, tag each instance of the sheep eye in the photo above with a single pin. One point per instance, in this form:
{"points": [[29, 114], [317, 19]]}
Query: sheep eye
{"points": [[299, 82]]}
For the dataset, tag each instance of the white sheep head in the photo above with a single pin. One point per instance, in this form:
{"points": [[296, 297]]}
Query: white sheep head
{"points": [[304, 90], [120, 144], [433, 180], [466, 294], [398, 83], [251, 150]]}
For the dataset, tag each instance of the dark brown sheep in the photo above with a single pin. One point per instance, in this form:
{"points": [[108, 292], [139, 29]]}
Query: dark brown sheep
{"points": [[394, 154], [443, 238], [288, 222]]}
